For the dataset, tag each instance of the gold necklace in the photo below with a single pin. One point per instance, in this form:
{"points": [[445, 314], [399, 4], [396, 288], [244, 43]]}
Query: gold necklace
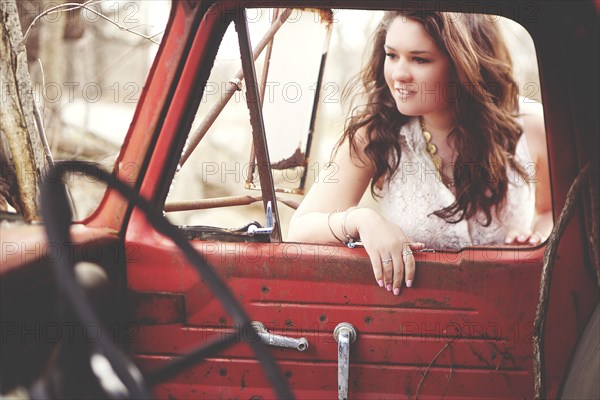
{"points": [[432, 151]]}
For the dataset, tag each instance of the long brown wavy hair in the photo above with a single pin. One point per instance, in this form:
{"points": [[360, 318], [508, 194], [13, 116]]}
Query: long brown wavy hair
{"points": [[486, 131]]}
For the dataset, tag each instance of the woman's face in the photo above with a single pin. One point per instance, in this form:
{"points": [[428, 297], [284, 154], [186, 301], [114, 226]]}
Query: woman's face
{"points": [[416, 71]]}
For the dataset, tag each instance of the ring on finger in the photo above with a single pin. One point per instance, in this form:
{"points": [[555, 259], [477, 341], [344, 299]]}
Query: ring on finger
{"points": [[407, 253], [386, 260]]}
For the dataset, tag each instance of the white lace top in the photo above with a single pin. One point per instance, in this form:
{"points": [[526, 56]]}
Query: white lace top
{"points": [[415, 191]]}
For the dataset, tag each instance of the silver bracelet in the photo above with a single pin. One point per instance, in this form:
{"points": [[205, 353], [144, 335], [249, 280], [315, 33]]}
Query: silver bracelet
{"points": [[351, 241], [329, 225]]}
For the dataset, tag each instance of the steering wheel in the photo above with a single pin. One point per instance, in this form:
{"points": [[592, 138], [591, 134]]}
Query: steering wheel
{"points": [[116, 374]]}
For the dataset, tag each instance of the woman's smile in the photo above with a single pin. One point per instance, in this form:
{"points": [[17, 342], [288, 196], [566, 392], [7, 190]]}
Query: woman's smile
{"points": [[405, 92]]}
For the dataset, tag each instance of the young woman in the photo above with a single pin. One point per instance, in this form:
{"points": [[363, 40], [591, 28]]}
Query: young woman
{"points": [[445, 142]]}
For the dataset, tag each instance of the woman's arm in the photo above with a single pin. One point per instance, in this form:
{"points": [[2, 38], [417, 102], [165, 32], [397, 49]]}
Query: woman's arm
{"points": [[346, 182], [535, 131], [536, 136], [316, 220]]}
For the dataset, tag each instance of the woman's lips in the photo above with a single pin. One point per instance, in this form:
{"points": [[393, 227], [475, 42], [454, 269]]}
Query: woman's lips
{"points": [[404, 92]]}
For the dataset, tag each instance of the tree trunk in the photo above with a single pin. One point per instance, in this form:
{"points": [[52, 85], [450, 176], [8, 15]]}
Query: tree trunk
{"points": [[18, 132]]}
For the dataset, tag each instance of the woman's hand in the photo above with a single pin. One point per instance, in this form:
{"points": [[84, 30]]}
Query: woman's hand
{"points": [[388, 247], [524, 238], [540, 231]]}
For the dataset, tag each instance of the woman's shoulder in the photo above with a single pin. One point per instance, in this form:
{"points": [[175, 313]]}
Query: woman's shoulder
{"points": [[531, 111], [529, 108], [531, 115], [353, 148]]}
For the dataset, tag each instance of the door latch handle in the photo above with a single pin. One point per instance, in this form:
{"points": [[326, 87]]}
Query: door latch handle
{"points": [[254, 230], [344, 334], [271, 339]]}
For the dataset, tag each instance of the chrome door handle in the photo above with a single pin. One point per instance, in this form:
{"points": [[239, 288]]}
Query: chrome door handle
{"points": [[300, 344], [344, 334]]}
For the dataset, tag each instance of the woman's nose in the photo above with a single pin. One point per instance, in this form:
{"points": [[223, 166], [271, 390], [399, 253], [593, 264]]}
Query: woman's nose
{"points": [[401, 72]]}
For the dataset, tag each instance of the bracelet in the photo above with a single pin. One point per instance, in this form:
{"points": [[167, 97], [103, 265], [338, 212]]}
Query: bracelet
{"points": [[329, 225], [351, 241]]}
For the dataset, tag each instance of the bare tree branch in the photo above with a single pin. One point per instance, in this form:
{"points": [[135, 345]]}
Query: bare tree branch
{"points": [[85, 6], [39, 123]]}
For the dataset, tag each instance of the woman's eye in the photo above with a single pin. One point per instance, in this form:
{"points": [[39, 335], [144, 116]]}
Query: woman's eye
{"points": [[420, 60], [390, 55]]}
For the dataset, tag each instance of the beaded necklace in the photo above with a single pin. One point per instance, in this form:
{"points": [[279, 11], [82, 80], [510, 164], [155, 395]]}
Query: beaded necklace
{"points": [[432, 151]]}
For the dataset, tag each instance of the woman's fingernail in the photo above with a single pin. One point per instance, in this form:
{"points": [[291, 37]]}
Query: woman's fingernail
{"points": [[380, 283], [389, 287], [396, 291], [521, 238], [507, 240], [409, 283]]}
